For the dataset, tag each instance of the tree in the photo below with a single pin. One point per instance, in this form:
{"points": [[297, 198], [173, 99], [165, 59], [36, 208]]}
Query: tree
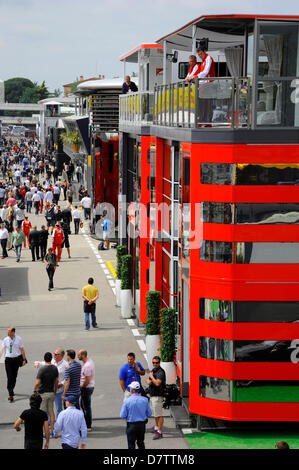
{"points": [[14, 88]]}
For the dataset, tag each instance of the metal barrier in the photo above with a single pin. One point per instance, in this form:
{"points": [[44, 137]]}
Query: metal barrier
{"points": [[213, 102], [137, 107]]}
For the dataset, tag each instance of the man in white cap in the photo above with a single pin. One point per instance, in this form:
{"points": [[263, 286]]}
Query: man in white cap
{"points": [[135, 410]]}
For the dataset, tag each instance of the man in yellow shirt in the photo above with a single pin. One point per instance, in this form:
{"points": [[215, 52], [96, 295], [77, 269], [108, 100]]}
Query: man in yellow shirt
{"points": [[90, 294]]}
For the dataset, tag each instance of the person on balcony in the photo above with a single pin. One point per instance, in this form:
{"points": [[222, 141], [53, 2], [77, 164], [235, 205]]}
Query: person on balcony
{"points": [[206, 71], [193, 69], [128, 86]]}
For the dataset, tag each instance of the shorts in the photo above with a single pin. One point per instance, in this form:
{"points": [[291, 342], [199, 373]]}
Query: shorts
{"points": [[89, 308], [47, 401], [51, 222], [156, 406], [66, 243], [105, 236]]}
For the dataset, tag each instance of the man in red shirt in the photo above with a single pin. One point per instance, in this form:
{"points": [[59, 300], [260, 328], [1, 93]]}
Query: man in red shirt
{"points": [[206, 70], [58, 238], [26, 226]]}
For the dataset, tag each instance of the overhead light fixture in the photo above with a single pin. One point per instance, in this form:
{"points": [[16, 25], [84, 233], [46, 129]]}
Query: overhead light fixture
{"points": [[172, 57], [202, 43]]}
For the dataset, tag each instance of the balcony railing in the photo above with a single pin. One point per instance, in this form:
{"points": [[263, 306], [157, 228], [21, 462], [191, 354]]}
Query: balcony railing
{"points": [[137, 107], [213, 102], [225, 102]]}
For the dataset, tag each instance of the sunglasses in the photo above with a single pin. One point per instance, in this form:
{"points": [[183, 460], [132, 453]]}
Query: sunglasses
{"points": [[156, 362]]}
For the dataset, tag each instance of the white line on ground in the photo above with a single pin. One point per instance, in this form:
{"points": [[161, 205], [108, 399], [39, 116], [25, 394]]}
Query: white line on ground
{"points": [[141, 344], [112, 283], [135, 332]]}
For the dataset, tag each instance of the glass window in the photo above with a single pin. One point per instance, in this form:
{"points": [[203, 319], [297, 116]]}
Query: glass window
{"points": [[249, 213], [247, 351], [249, 252], [267, 391], [249, 310], [250, 174]]}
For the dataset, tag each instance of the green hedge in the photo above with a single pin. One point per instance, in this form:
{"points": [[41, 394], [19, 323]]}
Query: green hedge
{"points": [[121, 250], [168, 334], [126, 272], [153, 303]]}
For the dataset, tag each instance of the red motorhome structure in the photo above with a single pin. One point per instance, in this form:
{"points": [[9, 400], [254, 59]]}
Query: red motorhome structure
{"points": [[215, 165], [100, 97]]}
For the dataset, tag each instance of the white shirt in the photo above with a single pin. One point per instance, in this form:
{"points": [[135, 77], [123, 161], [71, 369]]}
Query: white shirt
{"points": [[15, 345], [76, 214], [56, 190], [49, 196], [4, 233], [36, 197], [86, 202]]}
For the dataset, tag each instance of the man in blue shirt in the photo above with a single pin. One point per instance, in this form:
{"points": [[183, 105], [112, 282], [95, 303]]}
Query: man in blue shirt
{"points": [[130, 372], [135, 411], [72, 378], [71, 423]]}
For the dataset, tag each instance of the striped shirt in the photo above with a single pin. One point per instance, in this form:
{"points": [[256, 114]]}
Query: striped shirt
{"points": [[73, 373]]}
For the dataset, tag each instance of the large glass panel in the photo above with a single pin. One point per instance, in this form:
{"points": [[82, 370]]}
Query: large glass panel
{"points": [[219, 389], [267, 391], [250, 174], [215, 348], [249, 213], [247, 351], [249, 252], [220, 310], [249, 310]]}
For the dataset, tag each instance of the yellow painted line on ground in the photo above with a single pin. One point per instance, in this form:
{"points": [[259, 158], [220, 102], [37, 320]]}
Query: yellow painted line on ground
{"points": [[111, 268]]}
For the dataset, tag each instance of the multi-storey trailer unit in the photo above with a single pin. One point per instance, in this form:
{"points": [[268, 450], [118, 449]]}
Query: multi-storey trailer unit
{"points": [[213, 169]]}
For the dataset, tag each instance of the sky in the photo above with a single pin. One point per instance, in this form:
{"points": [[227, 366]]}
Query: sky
{"points": [[59, 40]]}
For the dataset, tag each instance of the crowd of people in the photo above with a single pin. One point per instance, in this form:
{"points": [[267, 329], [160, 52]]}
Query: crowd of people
{"points": [[29, 184]]}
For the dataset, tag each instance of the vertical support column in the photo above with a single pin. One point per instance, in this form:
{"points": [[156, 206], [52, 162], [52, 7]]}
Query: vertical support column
{"points": [[125, 68], [194, 29], [164, 62]]}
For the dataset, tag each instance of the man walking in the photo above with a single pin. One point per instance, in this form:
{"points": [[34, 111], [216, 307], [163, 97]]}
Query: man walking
{"points": [[15, 357], [34, 242], [26, 226], [156, 381], [58, 238], [72, 425], [43, 241], [90, 294], [50, 261], [36, 202], [135, 410], [36, 421], [77, 219], [18, 238], [72, 378], [86, 204], [129, 373], [87, 382], [46, 385]]}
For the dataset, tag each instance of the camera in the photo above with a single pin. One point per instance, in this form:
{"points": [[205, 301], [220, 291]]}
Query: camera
{"points": [[171, 396]]}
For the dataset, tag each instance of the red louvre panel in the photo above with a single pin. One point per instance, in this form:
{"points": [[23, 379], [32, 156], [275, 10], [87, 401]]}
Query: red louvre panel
{"points": [[256, 282], [248, 331], [218, 193], [251, 233], [246, 411]]}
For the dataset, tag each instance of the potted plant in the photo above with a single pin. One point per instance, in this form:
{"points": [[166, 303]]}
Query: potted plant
{"points": [[152, 327], [121, 250], [75, 141], [168, 347], [126, 286]]}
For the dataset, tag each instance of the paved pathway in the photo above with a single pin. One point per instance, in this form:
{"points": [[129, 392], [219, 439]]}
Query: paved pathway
{"points": [[47, 320]]}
